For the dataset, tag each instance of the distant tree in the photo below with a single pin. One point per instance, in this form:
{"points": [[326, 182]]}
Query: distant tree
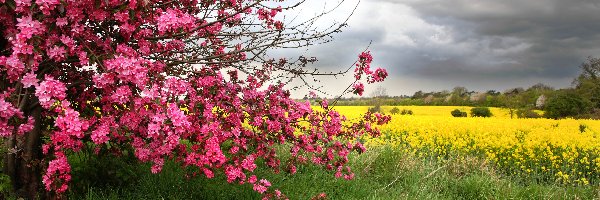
{"points": [[460, 91], [395, 110], [512, 99], [590, 68], [443, 93], [428, 99], [458, 113], [493, 101], [514, 91], [477, 97], [379, 92], [376, 109], [458, 95], [418, 95], [406, 112], [481, 112], [527, 113], [566, 103], [540, 101], [492, 93], [540, 87], [588, 82]]}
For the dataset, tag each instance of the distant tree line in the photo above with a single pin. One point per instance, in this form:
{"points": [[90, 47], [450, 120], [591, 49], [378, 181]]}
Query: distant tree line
{"points": [[580, 101]]}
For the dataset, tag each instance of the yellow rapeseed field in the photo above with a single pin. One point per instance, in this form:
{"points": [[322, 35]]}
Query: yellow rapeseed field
{"points": [[563, 151]]}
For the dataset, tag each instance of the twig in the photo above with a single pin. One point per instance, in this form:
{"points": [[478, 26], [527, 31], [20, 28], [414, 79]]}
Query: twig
{"points": [[436, 170], [388, 185]]}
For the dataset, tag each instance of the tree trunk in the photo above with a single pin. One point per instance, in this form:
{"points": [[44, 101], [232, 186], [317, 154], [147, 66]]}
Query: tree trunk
{"points": [[24, 160]]}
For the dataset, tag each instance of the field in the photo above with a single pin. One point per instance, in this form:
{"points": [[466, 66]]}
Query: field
{"points": [[564, 151], [427, 155]]}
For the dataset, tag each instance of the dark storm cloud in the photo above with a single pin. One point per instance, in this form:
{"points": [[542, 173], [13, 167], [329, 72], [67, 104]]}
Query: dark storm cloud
{"points": [[344, 51], [559, 33]]}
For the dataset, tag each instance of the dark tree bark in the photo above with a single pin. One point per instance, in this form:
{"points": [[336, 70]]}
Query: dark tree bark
{"points": [[3, 43], [23, 161]]}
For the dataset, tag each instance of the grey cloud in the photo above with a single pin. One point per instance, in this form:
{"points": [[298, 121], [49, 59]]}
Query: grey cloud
{"points": [[556, 35]]}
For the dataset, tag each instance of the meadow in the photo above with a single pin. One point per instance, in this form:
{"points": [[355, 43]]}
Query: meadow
{"points": [[427, 155]]}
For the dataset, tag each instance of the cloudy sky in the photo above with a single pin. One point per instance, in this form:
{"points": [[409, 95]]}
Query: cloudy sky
{"points": [[432, 45]]}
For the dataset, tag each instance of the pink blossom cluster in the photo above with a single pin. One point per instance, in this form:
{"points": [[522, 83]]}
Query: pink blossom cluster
{"points": [[358, 88], [58, 174], [7, 113], [268, 15], [128, 69], [101, 134], [363, 67], [50, 91], [47, 5], [173, 20], [29, 79], [71, 129], [261, 186], [378, 76]]}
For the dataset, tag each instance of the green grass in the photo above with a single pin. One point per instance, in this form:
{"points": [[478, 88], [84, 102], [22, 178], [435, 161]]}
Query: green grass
{"points": [[380, 174]]}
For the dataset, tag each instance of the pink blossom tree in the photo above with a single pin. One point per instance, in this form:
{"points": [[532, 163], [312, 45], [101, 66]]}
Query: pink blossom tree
{"points": [[185, 80]]}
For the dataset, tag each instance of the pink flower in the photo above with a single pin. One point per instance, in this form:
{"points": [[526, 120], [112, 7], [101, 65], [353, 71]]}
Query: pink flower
{"points": [[178, 118], [57, 53], [29, 27], [121, 95], [252, 179], [378, 76], [83, 59], [359, 88], [365, 57], [47, 5], [293, 169], [24, 128], [29, 79], [359, 146], [277, 193], [325, 104], [234, 173], [364, 65], [129, 69], [48, 89], [100, 135], [69, 42], [312, 94], [61, 21], [57, 173], [172, 20], [248, 163], [70, 125], [208, 173], [262, 186], [122, 16], [213, 151], [103, 80], [15, 67], [142, 153], [22, 4], [157, 167]]}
